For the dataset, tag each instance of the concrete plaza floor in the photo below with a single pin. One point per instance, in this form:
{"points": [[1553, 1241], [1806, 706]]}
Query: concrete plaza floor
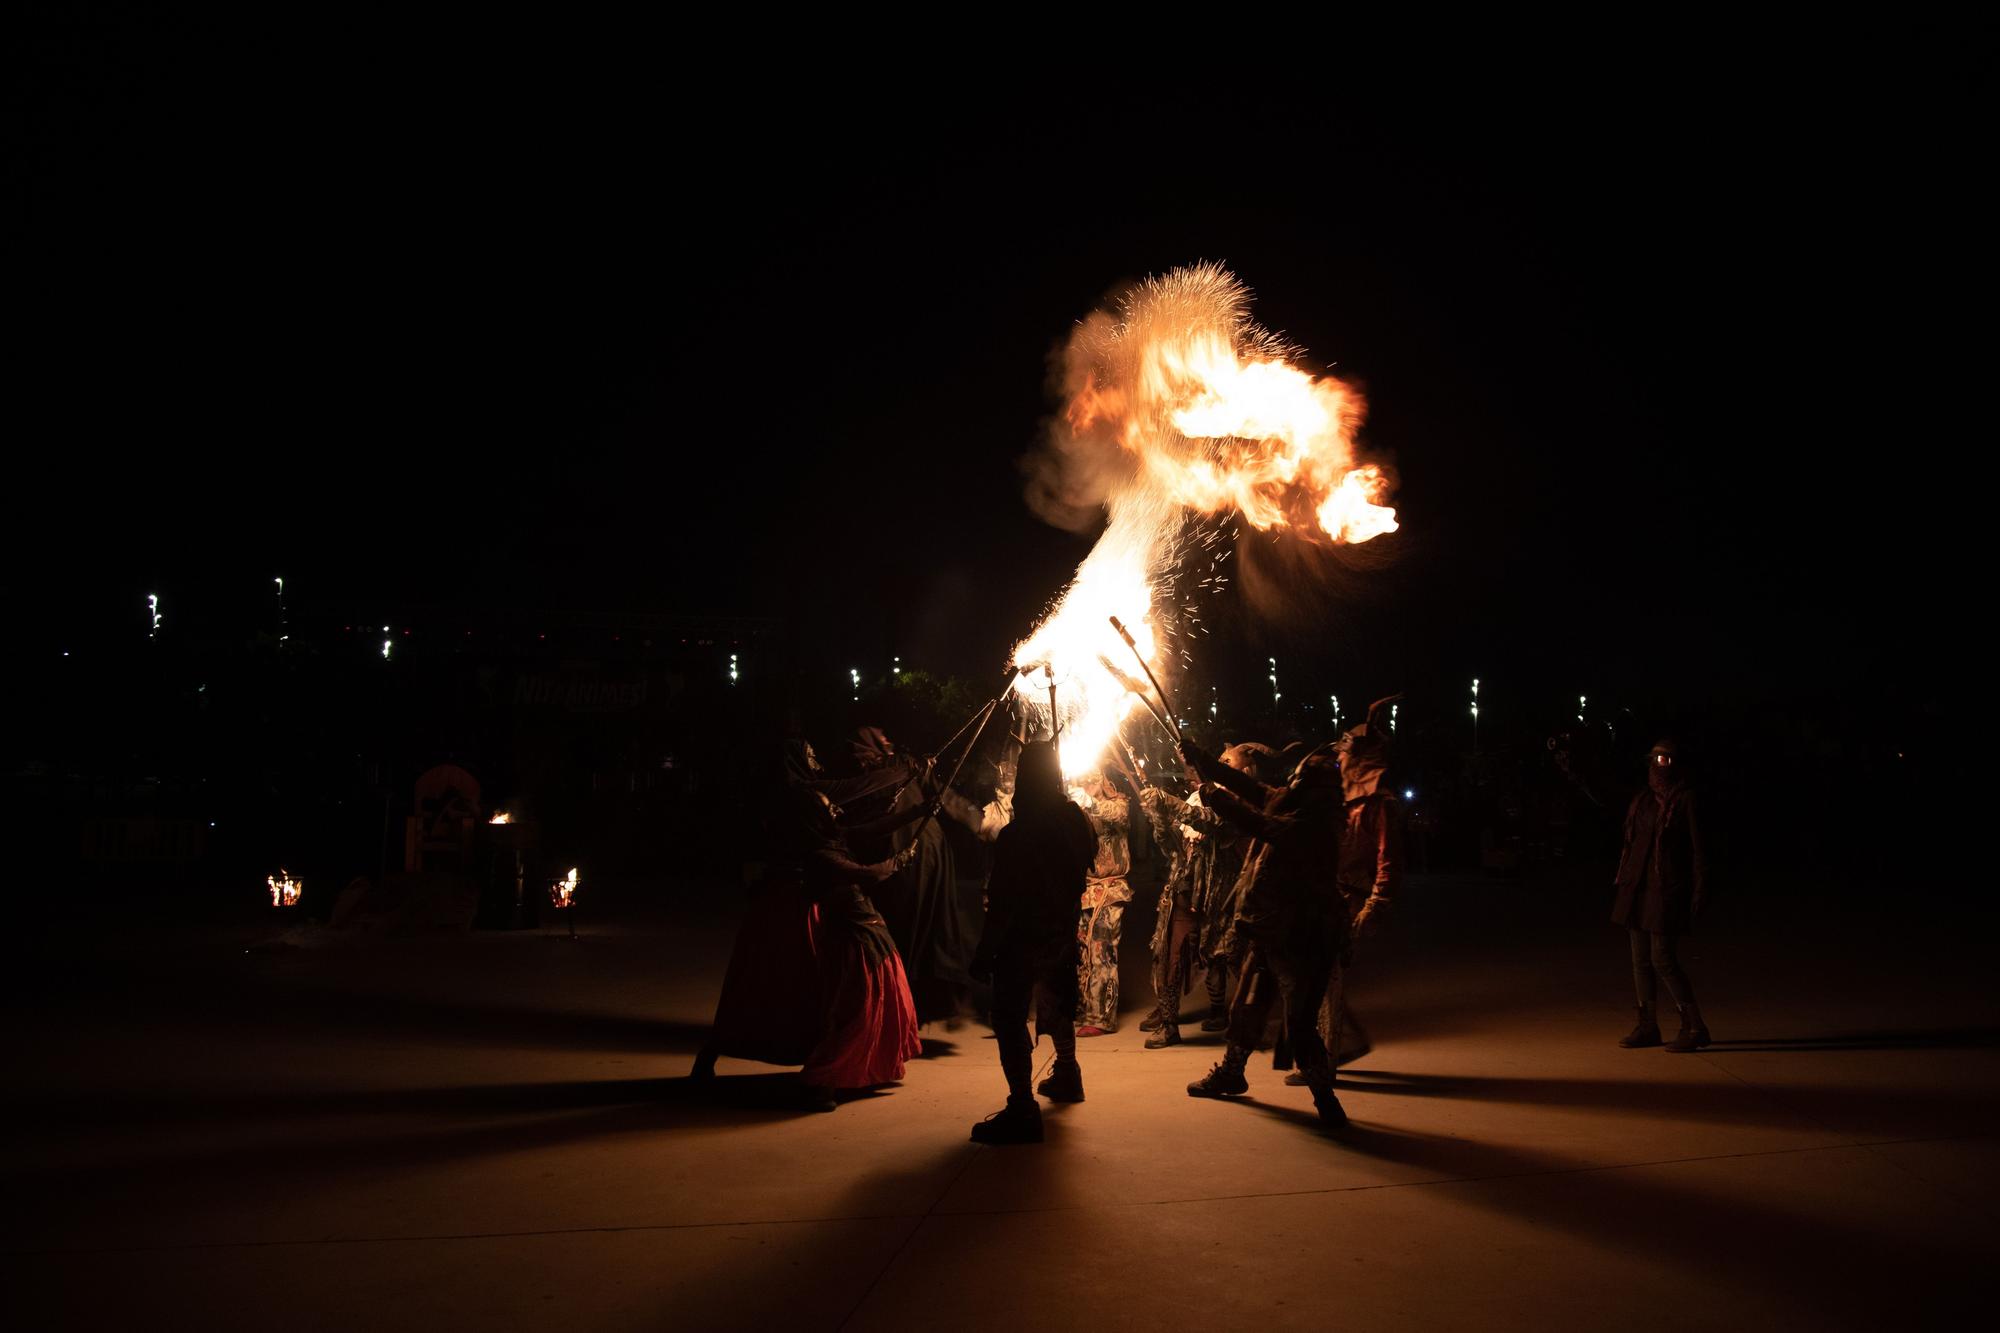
{"points": [[496, 1131]]}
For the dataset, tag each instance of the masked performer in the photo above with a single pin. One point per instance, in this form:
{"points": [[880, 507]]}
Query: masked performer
{"points": [[814, 979], [1029, 947], [1197, 844], [1101, 916], [1288, 924], [1662, 881]]}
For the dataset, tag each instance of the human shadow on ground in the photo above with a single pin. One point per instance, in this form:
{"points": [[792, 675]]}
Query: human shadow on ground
{"points": [[1939, 1039], [673, 1097], [448, 1021], [404, 1133], [1762, 1234], [1940, 1110]]}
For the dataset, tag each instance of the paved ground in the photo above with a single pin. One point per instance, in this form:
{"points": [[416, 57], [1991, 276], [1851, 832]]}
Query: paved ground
{"points": [[495, 1131]]}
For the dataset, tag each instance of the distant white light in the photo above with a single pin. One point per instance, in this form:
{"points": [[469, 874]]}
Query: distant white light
{"points": [[385, 648], [1409, 793]]}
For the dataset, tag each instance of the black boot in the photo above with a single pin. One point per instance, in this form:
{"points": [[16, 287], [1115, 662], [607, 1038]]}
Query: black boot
{"points": [[1331, 1113], [1217, 1020], [1226, 1079], [812, 1097], [1168, 1035], [1017, 1122], [1646, 1033], [1693, 1034], [1064, 1083]]}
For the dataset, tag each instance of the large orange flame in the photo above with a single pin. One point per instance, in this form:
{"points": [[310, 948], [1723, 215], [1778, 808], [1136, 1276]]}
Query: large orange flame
{"points": [[1180, 405]]}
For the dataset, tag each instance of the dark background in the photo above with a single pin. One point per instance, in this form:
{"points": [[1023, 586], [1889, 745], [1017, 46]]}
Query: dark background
{"points": [[612, 339]]}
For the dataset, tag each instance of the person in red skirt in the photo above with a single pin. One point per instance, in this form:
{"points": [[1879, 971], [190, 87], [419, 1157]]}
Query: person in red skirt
{"points": [[815, 980]]}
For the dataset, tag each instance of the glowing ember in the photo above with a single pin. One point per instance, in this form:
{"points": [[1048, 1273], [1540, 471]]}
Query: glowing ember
{"points": [[285, 890], [563, 891], [501, 817], [1179, 406]]}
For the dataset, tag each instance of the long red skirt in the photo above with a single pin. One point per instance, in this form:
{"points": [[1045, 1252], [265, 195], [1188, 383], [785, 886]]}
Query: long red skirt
{"points": [[803, 988], [871, 1020]]}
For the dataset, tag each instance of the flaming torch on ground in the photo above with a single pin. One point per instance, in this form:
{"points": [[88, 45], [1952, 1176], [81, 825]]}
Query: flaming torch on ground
{"points": [[285, 891], [562, 893], [1179, 408]]}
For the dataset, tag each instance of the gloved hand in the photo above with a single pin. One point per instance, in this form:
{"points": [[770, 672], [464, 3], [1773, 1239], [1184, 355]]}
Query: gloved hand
{"points": [[904, 857], [1371, 911]]}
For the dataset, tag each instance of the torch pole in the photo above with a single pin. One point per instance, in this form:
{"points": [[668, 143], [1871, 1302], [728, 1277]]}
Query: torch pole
{"points": [[1165, 702], [1137, 774], [1055, 722], [978, 716], [1131, 687], [986, 717]]}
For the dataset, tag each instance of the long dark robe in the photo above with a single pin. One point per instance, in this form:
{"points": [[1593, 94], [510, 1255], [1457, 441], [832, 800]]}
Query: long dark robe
{"points": [[920, 905]]}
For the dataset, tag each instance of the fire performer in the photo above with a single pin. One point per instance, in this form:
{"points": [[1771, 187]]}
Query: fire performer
{"points": [[1101, 913], [919, 902], [1662, 881], [1202, 860], [815, 979], [1288, 922], [1029, 947]]}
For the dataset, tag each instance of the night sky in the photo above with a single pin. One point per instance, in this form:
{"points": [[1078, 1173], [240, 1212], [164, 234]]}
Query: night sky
{"points": [[1664, 351]]}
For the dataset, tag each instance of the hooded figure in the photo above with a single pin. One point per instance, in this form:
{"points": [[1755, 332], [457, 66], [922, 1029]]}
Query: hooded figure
{"points": [[1029, 947], [920, 901], [1662, 882], [1370, 867], [1371, 861]]}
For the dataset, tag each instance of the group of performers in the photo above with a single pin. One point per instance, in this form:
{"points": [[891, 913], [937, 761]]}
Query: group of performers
{"points": [[1276, 868]]}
